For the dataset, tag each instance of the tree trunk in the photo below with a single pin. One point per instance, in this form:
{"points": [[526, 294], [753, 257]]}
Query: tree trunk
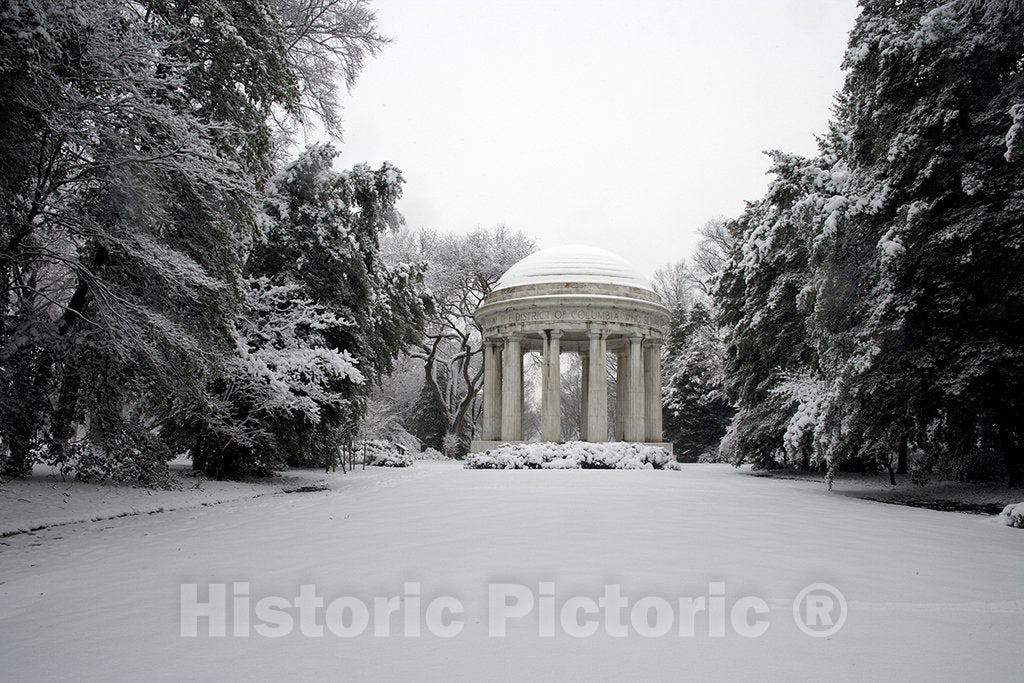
{"points": [[459, 423], [1013, 455], [76, 306], [69, 401], [901, 461], [888, 467]]}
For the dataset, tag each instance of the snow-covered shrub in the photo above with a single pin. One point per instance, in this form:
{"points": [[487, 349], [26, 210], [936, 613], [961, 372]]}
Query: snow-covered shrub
{"points": [[126, 454], [1013, 515], [401, 437], [384, 454], [572, 455], [391, 459], [429, 454]]}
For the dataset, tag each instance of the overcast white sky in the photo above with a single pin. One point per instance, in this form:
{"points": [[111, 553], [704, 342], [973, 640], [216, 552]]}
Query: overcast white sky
{"points": [[624, 125]]}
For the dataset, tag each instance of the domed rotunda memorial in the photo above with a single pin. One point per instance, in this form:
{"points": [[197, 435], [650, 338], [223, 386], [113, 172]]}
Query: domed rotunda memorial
{"points": [[573, 299]]}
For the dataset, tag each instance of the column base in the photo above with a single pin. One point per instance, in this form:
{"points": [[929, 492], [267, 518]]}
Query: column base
{"points": [[667, 445], [481, 446]]}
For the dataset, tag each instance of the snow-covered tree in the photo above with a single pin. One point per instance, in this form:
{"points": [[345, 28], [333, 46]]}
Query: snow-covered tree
{"points": [[874, 304], [120, 234], [758, 306], [696, 412], [572, 396], [137, 138], [709, 257], [674, 283], [461, 270], [326, 318], [928, 116]]}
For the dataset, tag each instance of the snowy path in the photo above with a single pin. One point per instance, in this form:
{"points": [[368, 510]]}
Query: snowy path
{"points": [[931, 594]]}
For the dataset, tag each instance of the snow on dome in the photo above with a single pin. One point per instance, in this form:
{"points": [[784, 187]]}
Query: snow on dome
{"points": [[573, 263]]}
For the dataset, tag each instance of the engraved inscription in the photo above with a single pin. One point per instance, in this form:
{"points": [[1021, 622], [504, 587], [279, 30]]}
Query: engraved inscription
{"points": [[574, 314]]}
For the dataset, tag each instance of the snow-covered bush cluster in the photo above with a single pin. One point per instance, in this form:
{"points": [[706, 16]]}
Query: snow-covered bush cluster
{"points": [[1013, 515], [429, 454], [572, 455], [384, 454], [391, 459]]}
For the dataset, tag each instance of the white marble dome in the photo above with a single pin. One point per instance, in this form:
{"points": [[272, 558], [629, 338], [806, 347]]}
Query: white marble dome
{"points": [[575, 289], [573, 263]]}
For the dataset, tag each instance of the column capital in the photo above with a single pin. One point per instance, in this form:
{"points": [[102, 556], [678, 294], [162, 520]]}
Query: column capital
{"points": [[554, 334], [514, 336], [595, 334], [635, 338]]}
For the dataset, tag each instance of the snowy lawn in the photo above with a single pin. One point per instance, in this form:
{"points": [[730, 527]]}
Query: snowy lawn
{"points": [[930, 594], [988, 498], [46, 499]]}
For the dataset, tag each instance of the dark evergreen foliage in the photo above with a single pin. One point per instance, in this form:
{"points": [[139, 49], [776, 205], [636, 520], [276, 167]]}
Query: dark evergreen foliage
{"points": [[875, 295], [139, 316]]}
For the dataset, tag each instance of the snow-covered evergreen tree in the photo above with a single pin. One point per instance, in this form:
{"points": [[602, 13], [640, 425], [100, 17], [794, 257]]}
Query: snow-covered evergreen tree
{"points": [[696, 413], [325, 319], [137, 140], [759, 308], [120, 238], [877, 298]]}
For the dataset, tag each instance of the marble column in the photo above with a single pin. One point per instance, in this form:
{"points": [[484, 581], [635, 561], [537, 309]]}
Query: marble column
{"points": [[491, 421], [597, 401], [522, 389], [652, 390], [634, 425], [512, 390], [551, 396], [621, 392], [584, 392]]}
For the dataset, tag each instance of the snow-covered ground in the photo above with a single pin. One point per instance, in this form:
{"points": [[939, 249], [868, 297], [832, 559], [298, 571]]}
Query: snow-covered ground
{"points": [[936, 494], [46, 499], [930, 594]]}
